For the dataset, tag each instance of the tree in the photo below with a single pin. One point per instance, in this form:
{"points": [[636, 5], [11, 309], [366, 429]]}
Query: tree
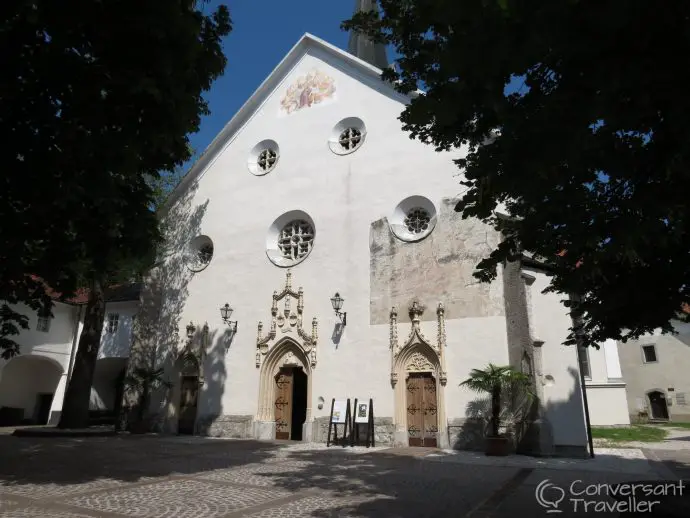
{"points": [[93, 100], [573, 114], [96, 100], [497, 381]]}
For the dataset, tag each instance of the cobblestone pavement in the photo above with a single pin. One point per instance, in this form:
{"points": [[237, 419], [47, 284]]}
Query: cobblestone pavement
{"points": [[146, 477], [677, 461]]}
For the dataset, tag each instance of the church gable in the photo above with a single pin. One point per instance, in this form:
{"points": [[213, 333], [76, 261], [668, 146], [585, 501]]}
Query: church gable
{"points": [[313, 76]]}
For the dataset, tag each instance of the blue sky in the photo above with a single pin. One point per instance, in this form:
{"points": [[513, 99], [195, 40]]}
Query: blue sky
{"points": [[263, 32]]}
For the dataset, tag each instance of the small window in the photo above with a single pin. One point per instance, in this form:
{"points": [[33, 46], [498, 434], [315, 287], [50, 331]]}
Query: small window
{"points": [[199, 253], [583, 358], [43, 324], [350, 139], [649, 353], [266, 160], [113, 321], [680, 398], [263, 157], [347, 136]]}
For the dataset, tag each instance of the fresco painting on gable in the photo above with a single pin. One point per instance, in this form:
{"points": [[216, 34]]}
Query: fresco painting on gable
{"points": [[307, 90]]}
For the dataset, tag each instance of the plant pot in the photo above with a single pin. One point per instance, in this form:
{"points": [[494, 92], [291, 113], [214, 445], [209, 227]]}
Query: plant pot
{"points": [[499, 446]]}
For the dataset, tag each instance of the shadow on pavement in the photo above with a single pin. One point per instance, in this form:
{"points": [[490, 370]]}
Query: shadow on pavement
{"points": [[333, 482]]}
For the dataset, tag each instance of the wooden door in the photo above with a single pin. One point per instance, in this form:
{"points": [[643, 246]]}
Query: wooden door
{"points": [[422, 410], [283, 403], [189, 391], [658, 404]]}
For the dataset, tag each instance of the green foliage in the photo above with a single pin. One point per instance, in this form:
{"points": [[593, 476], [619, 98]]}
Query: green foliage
{"points": [[630, 433], [144, 378], [497, 381], [573, 113], [95, 101], [145, 381]]}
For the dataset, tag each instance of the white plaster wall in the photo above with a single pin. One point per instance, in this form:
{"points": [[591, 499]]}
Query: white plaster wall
{"points": [[613, 363], [473, 343], [56, 343], [597, 365], [607, 404], [25, 377], [606, 396], [562, 397], [343, 195], [117, 345], [48, 353]]}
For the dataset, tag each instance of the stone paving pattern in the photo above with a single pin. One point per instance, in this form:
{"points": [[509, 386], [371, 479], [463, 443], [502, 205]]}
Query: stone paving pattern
{"points": [[149, 476]]}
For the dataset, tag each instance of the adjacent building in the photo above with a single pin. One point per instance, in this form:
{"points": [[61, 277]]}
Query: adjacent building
{"points": [[656, 369], [32, 384]]}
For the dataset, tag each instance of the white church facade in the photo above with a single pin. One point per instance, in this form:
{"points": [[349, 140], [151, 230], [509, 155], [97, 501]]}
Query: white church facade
{"points": [[313, 189]]}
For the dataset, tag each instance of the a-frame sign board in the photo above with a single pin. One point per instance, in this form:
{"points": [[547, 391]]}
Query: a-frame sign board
{"points": [[363, 414], [340, 414]]}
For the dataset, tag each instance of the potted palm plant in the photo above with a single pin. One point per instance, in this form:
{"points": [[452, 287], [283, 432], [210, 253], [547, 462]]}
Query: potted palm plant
{"points": [[497, 381], [145, 381]]}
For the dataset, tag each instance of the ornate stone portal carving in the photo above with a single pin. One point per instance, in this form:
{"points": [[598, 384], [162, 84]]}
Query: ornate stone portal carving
{"points": [[418, 362], [289, 322]]}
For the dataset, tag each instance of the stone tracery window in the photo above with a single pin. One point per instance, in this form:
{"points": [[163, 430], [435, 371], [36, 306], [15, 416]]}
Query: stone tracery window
{"points": [[204, 255], [266, 160], [350, 139], [200, 253], [417, 220], [296, 239]]}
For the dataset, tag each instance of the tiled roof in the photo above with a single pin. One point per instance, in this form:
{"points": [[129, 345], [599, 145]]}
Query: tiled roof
{"points": [[114, 293]]}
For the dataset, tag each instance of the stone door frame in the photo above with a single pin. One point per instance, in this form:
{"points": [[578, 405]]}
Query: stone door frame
{"points": [[418, 354], [417, 357], [286, 353]]}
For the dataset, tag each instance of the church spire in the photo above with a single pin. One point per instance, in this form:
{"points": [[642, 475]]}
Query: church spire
{"points": [[361, 46]]}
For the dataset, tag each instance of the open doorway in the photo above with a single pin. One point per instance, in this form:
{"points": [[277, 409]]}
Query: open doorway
{"points": [[43, 404], [189, 395], [290, 403], [657, 401]]}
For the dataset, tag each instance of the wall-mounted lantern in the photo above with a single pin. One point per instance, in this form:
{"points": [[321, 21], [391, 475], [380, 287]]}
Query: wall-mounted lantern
{"points": [[337, 302], [226, 313]]}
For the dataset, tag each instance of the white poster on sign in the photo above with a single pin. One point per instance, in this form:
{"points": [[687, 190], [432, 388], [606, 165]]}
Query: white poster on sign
{"points": [[339, 411], [362, 411]]}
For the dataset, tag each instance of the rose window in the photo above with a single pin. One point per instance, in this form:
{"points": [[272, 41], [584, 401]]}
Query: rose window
{"points": [[266, 160], [350, 139], [417, 220], [296, 239]]}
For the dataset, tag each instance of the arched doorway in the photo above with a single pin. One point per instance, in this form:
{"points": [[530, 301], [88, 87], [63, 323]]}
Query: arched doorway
{"points": [[285, 393], [27, 388], [657, 403], [188, 394], [418, 377], [290, 403], [419, 397]]}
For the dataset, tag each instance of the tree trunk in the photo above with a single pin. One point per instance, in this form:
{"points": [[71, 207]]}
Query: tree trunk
{"points": [[75, 409], [495, 410], [143, 402]]}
